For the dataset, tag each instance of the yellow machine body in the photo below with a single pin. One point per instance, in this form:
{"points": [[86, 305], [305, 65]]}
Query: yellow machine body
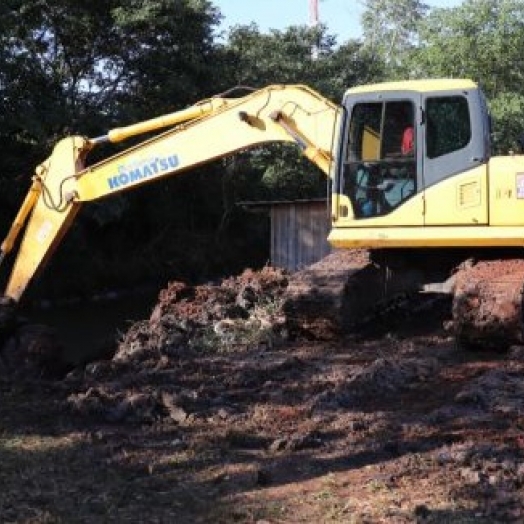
{"points": [[461, 197], [448, 191]]}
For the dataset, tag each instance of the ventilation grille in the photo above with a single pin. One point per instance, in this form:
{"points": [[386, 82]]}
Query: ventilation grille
{"points": [[469, 194]]}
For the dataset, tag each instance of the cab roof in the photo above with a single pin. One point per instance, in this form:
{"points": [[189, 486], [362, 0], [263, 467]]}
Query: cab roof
{"points": [[420, 86]]}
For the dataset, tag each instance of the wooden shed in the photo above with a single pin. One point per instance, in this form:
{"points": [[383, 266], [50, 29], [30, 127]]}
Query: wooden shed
{"points": [[299, 230]]}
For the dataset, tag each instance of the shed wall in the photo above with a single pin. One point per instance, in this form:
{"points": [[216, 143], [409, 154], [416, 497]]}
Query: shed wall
{"points": [[299, 233]]}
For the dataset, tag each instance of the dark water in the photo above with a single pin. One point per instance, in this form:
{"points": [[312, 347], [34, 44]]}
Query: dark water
{"points": [[90, 329]]}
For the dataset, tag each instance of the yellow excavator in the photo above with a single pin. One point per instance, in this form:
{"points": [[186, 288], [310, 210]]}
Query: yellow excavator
{"points": [[410, 166]]}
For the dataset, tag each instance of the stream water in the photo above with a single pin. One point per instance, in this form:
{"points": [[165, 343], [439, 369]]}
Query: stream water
{"points": [[90, 329]]}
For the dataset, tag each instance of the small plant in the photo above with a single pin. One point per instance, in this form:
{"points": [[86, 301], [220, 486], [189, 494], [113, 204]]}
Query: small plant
{"points": [[263, 327], [377, 485]]}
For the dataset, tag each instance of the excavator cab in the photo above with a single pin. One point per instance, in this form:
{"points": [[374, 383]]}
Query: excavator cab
{"points": [[412, 155]]}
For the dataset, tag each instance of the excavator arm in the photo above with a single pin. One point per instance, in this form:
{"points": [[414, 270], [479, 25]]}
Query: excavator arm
{"points": [[209, 130]]}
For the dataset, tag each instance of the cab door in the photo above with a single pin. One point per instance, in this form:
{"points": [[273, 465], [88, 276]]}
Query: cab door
{"points": [[382, 172], [454, 168]]}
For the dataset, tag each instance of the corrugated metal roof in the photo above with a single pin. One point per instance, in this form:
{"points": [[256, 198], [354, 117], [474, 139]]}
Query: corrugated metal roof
{"points": [[269, 203]]}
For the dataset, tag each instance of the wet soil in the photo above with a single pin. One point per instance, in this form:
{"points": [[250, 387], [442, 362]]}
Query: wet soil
{"points": [[210, 411]]}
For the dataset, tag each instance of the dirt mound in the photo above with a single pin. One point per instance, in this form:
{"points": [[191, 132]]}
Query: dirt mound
{"points": [[243, 311], [487, 308], [257, 308], [254, 309]]}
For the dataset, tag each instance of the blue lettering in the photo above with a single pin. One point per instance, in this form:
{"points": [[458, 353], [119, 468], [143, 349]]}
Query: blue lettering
{"points": [[135, 171], [135, 175]]}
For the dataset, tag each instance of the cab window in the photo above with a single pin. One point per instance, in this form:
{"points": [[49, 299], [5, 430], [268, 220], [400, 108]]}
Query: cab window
{"points": [[448, 125], [380, 168]]}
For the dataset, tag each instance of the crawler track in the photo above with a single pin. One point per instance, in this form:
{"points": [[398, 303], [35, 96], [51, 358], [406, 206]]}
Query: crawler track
{"points": [[343, 291], [321, 299], [487, 307]]}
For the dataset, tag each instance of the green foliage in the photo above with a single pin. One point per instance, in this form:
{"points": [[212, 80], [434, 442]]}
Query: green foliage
{"points": [[390, 29], [297, 55], [481, 40], [507, 111], [61, 60], [169, 54]]}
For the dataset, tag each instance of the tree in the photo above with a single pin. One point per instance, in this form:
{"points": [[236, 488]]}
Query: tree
{"points": [[169, 52], [390, 28], [69, 67], [481, 40], [77, 67]]}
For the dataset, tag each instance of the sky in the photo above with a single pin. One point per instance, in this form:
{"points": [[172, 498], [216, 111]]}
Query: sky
{"points": [[342, 17]]}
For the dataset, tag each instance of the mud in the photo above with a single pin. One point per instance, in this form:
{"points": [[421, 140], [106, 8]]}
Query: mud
{"points": [[487, 307], [216, 412]]}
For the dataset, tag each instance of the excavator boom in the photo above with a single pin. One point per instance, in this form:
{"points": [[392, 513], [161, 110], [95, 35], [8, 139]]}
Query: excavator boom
{"points": [[209, 130]]}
